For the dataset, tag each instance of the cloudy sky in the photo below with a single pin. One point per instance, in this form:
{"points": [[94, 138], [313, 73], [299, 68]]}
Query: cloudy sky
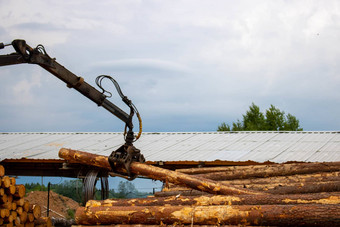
{"points": [[187, 65]]}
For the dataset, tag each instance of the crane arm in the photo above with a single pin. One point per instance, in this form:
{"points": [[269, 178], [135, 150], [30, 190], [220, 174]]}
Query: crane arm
{"points": [[124, 155], [26, 54]]}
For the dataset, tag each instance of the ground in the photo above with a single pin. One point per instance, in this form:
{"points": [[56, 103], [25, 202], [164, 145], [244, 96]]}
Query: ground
{"points": [[60, 206]]}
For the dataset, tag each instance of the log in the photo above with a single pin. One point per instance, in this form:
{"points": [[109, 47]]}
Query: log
{"points": [[20, 191], [8, 219], [8, 224], [13, 180], [245, 172], [292, 215], [19, 210], [23, 217], [43, 221], [30, 217], [141, 225], [315, 198], [26, 206], [9, 198], [301, 178], [14, 214], [332, 186], [5, 182], [10, 190], [35, 210], [281, 188], [2, 171], [155, 173], [7, 205], [14, 206], [29, 224], [3, 212], [17, 221], [3, 199], [183, 193], [20, 202]]}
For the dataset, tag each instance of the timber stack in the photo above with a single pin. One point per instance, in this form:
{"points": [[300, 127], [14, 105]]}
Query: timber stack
{"points": [[14, 209], [295, 194]]}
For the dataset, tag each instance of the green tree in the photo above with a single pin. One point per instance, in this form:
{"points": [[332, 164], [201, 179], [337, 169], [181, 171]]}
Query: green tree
{"points": [[72, 189], [253, 120], [126, 190], [223, 127], [273, 120]]}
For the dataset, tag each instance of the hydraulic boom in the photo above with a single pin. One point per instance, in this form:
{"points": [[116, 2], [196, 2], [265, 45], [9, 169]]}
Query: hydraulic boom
{"points": [[126, 153]]}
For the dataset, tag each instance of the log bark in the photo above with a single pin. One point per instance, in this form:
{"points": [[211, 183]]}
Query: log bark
{"points": [[278, 215], [281, 188], [245, 172], [332, 186], [318, 187], [155, 173], [315, 198], [181, 193], [301, 178]]}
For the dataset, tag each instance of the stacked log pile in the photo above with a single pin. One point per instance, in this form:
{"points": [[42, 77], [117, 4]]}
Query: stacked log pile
{"points": [[297, 194], [14, 209]]}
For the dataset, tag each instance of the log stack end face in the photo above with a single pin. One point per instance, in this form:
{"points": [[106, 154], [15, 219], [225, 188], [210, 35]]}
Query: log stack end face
{"points": [[14, 209]]}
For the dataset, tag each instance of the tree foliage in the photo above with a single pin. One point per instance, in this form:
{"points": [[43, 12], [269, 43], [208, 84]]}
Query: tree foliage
{"points": [[272, 120], [74, 189]]}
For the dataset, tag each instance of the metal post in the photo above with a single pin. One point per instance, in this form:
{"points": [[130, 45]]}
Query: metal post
{"points": [[48, 198]]}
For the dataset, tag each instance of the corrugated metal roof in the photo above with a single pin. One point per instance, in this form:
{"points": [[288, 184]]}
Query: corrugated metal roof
{"points": [[192, 146]]}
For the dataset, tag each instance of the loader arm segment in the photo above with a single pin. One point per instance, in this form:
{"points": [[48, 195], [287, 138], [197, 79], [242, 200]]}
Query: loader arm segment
{"points": [[26, 54], [127, 152]]}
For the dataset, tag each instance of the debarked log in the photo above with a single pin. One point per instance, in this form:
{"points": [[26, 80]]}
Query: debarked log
{"points": [[279, 188], [180, 193], [163, 225], [300, 178], [245, 172], [278, 215], [312, 198], [332, 186], [155, 173]]}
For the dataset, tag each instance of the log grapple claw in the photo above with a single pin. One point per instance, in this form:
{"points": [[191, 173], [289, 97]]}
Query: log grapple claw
{"points": [[123, 157]]}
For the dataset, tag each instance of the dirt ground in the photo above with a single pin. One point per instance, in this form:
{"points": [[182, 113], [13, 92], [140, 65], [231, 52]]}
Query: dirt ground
{"points": [[59, 205]]}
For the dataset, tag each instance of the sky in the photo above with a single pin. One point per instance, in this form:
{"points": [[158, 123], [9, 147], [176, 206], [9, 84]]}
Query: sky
{"points": [[186, 65]]}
